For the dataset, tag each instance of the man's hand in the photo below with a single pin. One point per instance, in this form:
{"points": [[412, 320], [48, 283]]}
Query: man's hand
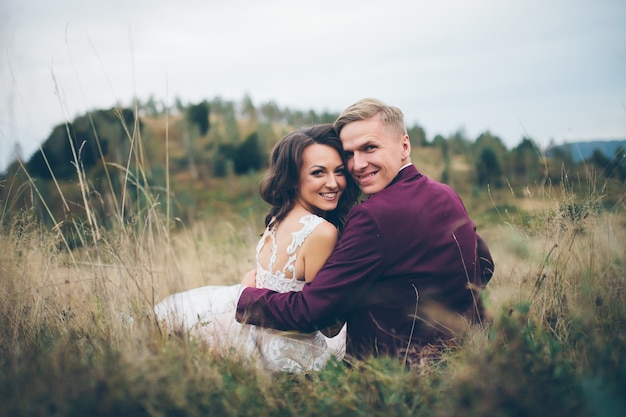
{"points": [[249, 280]]}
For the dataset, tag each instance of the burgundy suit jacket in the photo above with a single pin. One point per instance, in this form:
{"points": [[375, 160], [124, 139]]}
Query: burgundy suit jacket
{"points": [[405, 273]]}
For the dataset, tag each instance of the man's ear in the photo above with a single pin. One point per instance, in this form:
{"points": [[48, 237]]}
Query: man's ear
{"points": [[406, 147]]}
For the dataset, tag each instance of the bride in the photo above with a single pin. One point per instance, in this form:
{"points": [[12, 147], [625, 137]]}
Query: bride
{"points": [[310, 194]]}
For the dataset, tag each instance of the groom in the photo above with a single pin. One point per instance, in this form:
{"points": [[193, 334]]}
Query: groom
{"points": [[409, 267]]}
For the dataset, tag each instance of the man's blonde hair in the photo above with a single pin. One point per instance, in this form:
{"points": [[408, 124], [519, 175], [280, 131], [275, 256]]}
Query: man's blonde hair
{"points": [[363, 109]]}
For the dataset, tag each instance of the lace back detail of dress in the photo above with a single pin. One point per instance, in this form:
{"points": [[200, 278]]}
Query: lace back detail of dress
{"points": [[283, 279]]}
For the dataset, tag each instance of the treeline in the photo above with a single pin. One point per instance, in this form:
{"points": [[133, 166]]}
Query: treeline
{"points": [[494, 164], [150, 149]]}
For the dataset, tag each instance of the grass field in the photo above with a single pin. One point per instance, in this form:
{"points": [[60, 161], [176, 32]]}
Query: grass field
{"points": [[68, 348]]}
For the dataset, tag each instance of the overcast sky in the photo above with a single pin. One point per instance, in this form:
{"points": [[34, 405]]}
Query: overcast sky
{"points": [[547, 69]]}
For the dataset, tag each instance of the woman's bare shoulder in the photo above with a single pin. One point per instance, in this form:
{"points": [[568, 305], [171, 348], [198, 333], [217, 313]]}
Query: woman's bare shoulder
{"points": [[325, 232]]}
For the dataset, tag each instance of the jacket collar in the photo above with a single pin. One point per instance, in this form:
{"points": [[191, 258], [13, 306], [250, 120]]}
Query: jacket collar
{"points": [[407, 171]]}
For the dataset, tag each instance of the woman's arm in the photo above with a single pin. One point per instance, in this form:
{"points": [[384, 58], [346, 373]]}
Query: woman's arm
{"points": [[317, 248]]}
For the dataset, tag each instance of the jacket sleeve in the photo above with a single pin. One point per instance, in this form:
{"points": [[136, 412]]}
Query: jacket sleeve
{"points": [[346, 276]]}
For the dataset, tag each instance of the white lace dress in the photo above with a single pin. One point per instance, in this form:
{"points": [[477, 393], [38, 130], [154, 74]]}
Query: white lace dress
{"points": [[209, 312]]}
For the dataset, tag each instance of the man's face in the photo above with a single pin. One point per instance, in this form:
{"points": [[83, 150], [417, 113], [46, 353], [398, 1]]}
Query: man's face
{"points": [[374, 153]]}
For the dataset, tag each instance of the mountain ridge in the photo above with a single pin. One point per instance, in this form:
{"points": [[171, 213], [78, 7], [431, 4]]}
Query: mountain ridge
{"points": [[582, 150]]}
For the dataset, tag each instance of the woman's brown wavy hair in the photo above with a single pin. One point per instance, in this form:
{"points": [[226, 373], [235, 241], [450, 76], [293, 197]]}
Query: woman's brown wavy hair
{"points": [[281, 181]]}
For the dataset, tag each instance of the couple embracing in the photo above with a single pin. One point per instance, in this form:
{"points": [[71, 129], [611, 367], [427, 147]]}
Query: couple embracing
{"points": [[399, 274]]}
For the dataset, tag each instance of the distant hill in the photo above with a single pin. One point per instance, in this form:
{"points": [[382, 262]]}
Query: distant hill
{"points": [[581, 151]]}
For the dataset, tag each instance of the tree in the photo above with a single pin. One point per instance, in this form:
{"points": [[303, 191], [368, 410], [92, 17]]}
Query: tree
{"points": [[248, 110], [489, 153], [218, 105], [417, 135], [441, 142], [488, 140], [458, 143], [223, 159], [525, 162], [488, 168], [198, 114], [178, 105], [150, 107], [87, 136], [613, 167], [328, 117], [270, 112], [231, 127], [249, 156], [559, 162]]}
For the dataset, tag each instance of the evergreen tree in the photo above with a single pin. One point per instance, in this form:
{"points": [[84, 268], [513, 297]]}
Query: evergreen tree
{"points": [[488, 169], [417, 135], [489, 153], [198, 114], [249, 156], [525, 162]]}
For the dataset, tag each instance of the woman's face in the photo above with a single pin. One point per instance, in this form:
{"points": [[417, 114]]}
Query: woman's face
{"points": [[322, 179]]}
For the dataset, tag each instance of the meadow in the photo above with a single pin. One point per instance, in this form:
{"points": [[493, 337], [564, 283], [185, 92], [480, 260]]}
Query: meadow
{"points": [[78, 336]]}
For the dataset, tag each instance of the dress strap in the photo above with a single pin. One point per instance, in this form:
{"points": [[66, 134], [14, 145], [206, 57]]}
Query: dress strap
{"points": [[310, 222]]}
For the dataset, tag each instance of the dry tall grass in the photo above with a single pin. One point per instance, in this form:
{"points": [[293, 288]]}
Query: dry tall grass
{"points": [[78, 337]]}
